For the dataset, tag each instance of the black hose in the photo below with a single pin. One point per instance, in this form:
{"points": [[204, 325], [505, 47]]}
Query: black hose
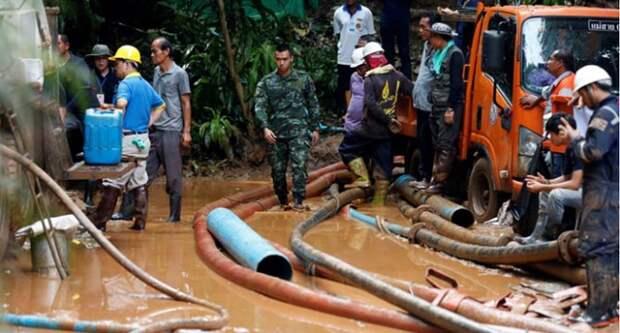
{"points": [[416, 306]]}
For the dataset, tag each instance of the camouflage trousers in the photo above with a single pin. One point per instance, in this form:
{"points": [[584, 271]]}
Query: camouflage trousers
{"points": [[296, 149]]}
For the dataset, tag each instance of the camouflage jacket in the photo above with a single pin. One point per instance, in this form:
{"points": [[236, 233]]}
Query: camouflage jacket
{"points": [[287, 105]]}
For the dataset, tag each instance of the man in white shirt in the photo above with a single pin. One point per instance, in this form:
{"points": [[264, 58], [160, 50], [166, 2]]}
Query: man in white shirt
{"points": [[351, 21]]}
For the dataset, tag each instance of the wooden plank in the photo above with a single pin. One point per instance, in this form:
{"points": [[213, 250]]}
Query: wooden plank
{"points": [[83, 171]]}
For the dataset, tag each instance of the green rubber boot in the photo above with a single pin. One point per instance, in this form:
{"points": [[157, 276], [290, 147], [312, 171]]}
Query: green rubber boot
{"points": [[358, 167], [381, 189]]}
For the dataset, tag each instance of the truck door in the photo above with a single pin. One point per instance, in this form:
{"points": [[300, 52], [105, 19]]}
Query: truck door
{"points": [[492, 97]]}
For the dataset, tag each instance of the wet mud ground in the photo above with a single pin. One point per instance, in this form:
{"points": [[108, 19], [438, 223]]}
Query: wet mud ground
{"points": [[99, 289]]}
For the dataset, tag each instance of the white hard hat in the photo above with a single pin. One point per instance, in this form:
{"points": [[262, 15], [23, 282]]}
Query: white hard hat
{"points": [[357, 59], [370, 48], [589, 74]]}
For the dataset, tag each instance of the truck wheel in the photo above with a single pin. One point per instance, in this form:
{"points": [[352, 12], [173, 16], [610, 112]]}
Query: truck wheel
{"points": [[483, 199]]}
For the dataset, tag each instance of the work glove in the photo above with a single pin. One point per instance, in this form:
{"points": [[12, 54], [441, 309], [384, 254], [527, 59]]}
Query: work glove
{"points": [[394, 126]]}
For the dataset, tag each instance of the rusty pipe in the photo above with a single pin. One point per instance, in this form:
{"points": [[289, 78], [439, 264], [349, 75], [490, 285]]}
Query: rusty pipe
{"points": [[444, 207], [413, 304], [450, 230], [453, 300]]}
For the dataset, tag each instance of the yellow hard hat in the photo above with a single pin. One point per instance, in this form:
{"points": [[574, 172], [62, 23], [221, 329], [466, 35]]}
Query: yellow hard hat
{"points": [[127, 52]]}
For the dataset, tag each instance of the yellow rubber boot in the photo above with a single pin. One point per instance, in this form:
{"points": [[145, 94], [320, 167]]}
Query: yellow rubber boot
{"points": [[358, 167], [381, 189]]}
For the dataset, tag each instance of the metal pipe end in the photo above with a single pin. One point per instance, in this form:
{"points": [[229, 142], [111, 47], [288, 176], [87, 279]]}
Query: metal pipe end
{"points": [[276, 265], [463, 217]]}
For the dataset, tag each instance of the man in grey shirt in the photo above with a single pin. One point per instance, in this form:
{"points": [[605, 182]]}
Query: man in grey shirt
{"points": [[422, 104], [173, 127]]}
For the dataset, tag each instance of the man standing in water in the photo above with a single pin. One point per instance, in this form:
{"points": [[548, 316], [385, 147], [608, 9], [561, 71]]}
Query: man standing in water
{"points": [[287, 111]]}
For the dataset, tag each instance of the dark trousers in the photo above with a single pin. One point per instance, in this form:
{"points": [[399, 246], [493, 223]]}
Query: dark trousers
{"points": [[425, 144], [445, 141], [296, 149], [75, 138], [343, 84], [379, 150], [166, 150], [399, 31]]}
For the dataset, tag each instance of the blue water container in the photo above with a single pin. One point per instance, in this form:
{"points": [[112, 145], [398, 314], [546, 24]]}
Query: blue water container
{"points": [[103, 136]]}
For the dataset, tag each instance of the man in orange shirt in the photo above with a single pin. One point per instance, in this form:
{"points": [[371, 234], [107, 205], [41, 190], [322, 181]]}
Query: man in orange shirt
{"points": [[561, 65]]}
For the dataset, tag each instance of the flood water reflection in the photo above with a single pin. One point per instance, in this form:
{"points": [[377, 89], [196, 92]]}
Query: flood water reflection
{"points": [[99, 289]]}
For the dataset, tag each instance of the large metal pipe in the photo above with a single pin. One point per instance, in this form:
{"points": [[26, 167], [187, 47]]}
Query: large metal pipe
{"points": [[210, 323], [444, 207], [449, 229], [413, 304], [247, 246], [464, 305]]}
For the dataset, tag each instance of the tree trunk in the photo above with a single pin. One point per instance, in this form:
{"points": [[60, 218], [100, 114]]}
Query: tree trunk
{"points": [[233, 71]]}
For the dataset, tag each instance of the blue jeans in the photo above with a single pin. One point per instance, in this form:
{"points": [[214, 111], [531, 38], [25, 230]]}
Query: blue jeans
{"points": [[552, 206]]}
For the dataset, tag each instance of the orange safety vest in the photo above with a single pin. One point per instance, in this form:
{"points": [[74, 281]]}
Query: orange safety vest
{"points": [[559, 97]]}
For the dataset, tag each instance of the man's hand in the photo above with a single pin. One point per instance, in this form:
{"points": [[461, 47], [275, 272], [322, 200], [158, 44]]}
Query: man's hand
{"points": [[538, 178], [62, 112], [186, 138], [568, 130], [394, 126], [448, 116], [270, 137], [529, 101], [315, 137], [534, 186]]}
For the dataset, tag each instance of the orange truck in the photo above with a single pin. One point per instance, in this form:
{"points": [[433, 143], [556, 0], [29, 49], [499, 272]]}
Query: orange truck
{"points": [[508, 53]]}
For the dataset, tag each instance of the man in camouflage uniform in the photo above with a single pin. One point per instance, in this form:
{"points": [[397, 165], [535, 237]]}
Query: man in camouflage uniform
{"points": [[598, 229], [287, 110]]}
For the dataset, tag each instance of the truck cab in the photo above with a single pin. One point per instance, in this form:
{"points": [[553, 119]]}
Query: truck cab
{"points": [[508, 55]]}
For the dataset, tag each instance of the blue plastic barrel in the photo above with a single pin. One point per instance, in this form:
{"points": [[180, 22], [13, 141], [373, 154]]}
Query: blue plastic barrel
{"points": [[103, 136], [246, 246]]}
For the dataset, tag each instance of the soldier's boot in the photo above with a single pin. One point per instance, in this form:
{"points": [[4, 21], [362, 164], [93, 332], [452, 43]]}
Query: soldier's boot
{"points": [[381, 189], [126, 210], [358, 167], [175, 208], [140, 208], [538, 232], [106, 206]]}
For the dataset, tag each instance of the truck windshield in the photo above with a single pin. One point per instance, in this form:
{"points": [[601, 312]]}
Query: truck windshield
{"points": [[591, 41]]}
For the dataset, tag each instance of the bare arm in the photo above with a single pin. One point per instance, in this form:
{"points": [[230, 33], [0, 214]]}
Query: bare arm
{"points": [[155, 113], [187, 119]]}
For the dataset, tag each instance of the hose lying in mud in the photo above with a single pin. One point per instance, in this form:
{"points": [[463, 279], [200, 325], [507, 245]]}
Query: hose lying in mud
{"points": [[209, 323], [433, 314], [451, 299], [449, 229], [444, 207], [289, 292], [567, 246]]}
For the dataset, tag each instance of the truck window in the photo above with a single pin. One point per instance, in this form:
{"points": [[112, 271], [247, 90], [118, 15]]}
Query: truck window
{"points": [[592, 40], [504, 78]]}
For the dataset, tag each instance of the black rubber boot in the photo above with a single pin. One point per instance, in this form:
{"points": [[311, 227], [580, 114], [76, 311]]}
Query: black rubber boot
{"points": [[602, 274], [106, 207], [126, 210], [175, 208], [89, 189], [140, 208]]}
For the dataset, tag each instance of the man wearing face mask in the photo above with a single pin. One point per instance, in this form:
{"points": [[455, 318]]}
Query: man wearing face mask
{"points": [[382, 86]]}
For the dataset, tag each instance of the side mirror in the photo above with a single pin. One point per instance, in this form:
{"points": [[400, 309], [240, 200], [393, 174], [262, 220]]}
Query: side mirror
{"points": [[494, 51]]}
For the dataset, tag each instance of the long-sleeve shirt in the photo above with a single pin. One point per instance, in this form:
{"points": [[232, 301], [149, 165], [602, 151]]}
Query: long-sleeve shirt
{"points": [[355, 111], [287, 105]]}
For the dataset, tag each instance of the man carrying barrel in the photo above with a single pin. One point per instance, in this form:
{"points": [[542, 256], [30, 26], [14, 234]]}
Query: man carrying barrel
{"points": [[141, 106]]}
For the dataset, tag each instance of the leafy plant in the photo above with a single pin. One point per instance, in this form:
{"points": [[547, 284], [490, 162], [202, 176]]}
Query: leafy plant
{"points": [[219, 131]]}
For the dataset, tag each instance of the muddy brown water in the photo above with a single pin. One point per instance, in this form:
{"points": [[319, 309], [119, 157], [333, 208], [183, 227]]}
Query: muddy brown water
{"points": [[99, 289]]}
